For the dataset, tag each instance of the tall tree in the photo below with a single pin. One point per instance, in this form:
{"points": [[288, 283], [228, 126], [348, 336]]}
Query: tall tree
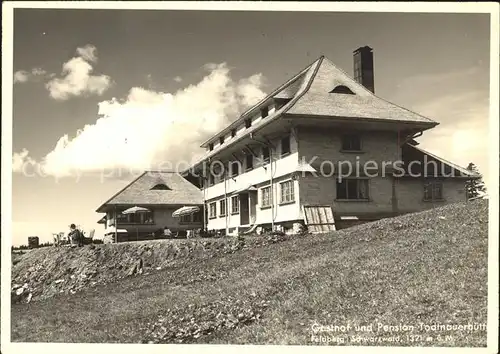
{"points": [[475, 186]]}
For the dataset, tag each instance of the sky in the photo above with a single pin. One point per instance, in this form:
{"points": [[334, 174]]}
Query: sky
{"points": [[100, 95]]}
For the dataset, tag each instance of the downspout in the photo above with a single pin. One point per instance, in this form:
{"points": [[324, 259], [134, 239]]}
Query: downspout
{"points": [[271, 178], [272, 187], [116, 226], [202, 180], [225, 201]]}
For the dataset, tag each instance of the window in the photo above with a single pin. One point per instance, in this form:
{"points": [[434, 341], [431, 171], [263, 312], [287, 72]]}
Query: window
{"points": [[147, 218], [285, 146], [221, 140], [212, 212], [351, 143], [265, 154], [248, 123], [265, 197], [343, 90], [191, 218], [287, 194], [235, 204], [264, 111], [211, 146], [161, 187], [235, 168], [249, 161], [352, 189], [433, 191], [138, 218], [222, 210], [233, 133], [197, 216]]}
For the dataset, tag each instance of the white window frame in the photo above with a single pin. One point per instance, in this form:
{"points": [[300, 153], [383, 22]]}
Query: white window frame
{"points": [[214, 210], [287, 192], [265, 203], [235, 207], [222, 211]]}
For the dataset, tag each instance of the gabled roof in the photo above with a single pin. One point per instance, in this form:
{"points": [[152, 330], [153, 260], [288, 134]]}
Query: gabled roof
{"points": [[318, 101], [308, 73], [288, 90], [139, 192], [463, 171], [309, 94]]}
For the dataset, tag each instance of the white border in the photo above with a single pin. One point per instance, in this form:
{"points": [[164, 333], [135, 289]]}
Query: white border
{"points": [[7, 67]]}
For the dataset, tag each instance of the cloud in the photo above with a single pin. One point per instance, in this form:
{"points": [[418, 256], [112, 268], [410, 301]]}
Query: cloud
{"points": [[23, 76], [249, 89], [150, 129], [88, 53], [19, 160], [459, 101], [77, 79], [462, 136], [178, 79]]}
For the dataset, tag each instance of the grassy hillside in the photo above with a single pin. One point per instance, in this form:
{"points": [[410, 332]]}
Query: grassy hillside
{"points": [[418, 269]]}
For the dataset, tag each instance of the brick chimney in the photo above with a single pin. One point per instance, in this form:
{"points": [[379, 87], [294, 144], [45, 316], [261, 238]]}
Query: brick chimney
{"points": [[363, 67]]}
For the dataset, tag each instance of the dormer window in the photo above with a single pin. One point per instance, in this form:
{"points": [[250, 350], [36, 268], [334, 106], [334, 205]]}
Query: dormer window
{"points": [[248, 123], [342, 90], [264, 111], [221, 140], [161, 187], [211, 146]]}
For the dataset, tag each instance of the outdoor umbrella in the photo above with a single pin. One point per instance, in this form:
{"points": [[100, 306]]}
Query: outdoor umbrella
{"points": [[136, 210], [185, 210]]}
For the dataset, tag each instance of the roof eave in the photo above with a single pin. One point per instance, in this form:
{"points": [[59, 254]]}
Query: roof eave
{"points": [[426, 125], [278, 114], [258, 105]]}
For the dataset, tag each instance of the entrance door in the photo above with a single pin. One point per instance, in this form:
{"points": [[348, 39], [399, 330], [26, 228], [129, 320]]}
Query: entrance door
{"points": [[244, 211], [253, 206]]}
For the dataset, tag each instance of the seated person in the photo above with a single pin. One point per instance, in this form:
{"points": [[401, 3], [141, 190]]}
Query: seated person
{"points": [[167, 232], [75, 236]]}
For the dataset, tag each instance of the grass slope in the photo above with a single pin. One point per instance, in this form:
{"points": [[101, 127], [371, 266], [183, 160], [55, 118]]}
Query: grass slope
{"points": [[424, 268]]}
